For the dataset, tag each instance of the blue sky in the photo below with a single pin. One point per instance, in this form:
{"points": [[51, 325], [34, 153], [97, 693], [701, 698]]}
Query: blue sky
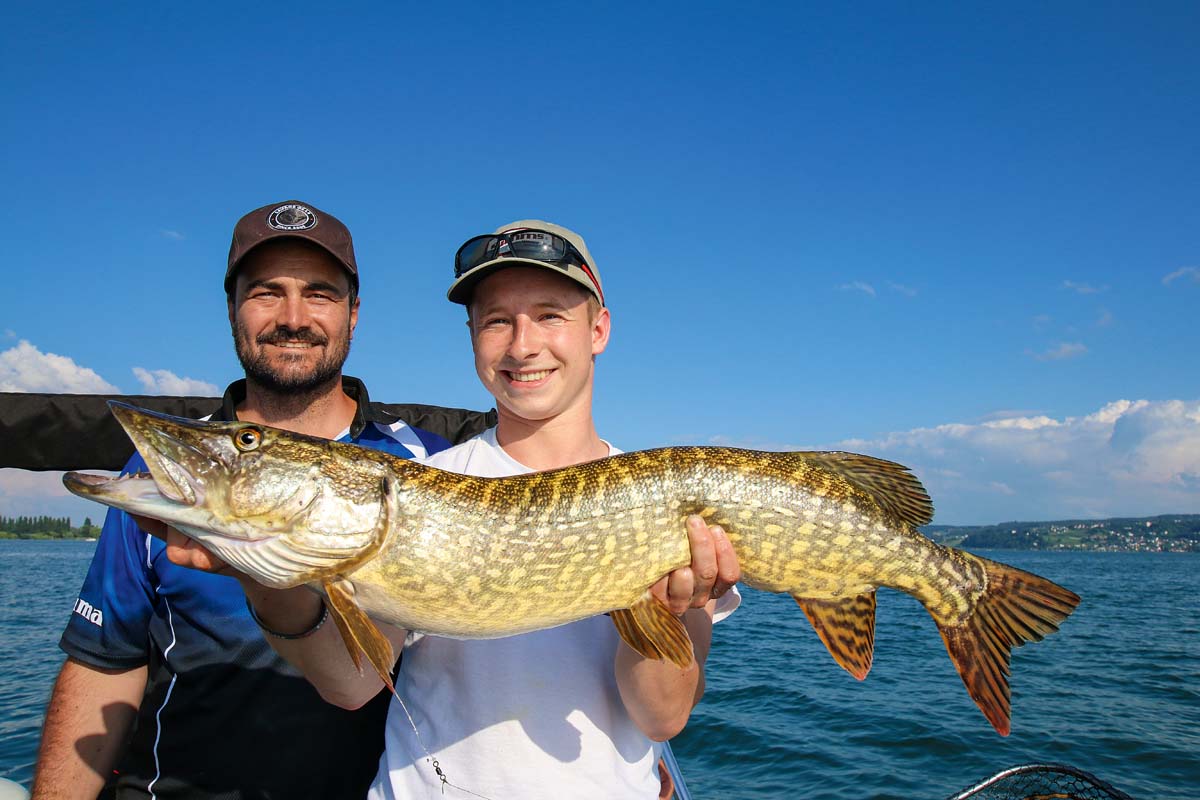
{"points": [[960, 236]]}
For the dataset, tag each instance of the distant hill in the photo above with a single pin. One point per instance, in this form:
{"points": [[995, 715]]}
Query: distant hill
{"points": [[1163, 533]]}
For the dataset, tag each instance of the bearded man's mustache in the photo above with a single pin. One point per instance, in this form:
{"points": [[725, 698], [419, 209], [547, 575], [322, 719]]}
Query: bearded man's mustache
{"points": [[283, 335]]}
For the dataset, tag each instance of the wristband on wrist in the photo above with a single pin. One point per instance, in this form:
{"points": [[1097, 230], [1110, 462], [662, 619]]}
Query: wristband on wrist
{"points": [[277, 634]]}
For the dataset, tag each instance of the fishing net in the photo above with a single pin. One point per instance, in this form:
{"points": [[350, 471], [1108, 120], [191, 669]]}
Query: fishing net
{"points": [[1042, 782]]}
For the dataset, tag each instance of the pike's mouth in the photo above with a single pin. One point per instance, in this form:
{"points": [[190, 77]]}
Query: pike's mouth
{"points": [[175, 482], [137, 492], [168, 482], [94, 484]]}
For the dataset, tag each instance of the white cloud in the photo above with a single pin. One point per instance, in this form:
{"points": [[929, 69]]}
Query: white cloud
{"points": [[1105, 319], [1008, 413], [1022, 423], [10, 333], [1127, 458], [907, 291], [1083, 288], [1063, 350], [1192, 272], [162, 381], [24, 368], [175, 235], [1112, 412], [859, 286]]}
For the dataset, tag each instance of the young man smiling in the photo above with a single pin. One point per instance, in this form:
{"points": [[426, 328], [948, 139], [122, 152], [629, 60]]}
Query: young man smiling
{"points": [[570, 711]]}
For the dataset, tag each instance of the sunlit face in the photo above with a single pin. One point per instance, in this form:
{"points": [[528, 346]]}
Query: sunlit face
{"points": [[292, 316], [534, 341]]}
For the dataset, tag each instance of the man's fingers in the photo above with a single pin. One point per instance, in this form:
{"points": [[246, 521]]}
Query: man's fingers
{"points": [[179, 549], [713, 570], [704, 560], [679, 590], [729, 571], [187, 552]]}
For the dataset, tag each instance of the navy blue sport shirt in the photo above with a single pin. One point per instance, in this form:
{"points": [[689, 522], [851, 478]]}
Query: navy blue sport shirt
{"points": [[223, 717]]}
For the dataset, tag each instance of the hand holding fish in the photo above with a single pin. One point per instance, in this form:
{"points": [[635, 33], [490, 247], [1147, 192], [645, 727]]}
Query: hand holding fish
{"points": [[713, 569], [657, 693], [183, 550], [187, 552]]}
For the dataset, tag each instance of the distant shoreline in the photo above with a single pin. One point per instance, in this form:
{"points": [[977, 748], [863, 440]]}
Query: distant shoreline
{"points": [[47, 537], [1163, 533]]}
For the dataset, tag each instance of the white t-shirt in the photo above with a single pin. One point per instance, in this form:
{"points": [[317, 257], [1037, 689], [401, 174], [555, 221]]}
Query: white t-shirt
{"points": [[526, 717]]}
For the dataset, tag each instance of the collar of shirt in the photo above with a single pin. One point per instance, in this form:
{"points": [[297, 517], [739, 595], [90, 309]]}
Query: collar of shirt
{"points": [[235, 395]]}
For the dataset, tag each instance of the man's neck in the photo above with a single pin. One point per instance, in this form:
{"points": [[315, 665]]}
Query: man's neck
{"points": [[324, 412], [549, 444]]}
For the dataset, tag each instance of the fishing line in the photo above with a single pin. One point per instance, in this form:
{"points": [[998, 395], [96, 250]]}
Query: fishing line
{"points": [[390, 508], [437, 768]]}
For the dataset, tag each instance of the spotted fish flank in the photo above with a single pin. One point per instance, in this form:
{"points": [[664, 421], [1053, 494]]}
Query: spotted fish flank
{"points": [[472, 557]]}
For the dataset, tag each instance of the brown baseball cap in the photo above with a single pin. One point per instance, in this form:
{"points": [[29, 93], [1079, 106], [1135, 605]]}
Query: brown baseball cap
{"points": [[295, 220]]}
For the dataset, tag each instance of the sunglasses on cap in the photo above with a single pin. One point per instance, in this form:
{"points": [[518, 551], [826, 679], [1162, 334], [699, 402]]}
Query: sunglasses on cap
{"points": [[525, 243]]}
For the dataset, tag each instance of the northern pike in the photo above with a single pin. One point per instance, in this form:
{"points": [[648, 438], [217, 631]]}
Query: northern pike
{"points": [[469, 557]]}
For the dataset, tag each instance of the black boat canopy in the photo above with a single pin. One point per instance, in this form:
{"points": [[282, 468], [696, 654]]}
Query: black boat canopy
{"points": [[76, 431]]}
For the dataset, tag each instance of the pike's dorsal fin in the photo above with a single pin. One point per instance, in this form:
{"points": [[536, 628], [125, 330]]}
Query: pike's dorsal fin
{"points": [[892, 485], [358, 631], [847, 627], [650, 628]]}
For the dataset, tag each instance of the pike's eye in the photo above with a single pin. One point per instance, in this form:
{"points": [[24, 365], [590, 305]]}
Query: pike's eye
{"points": [[247, 439]]}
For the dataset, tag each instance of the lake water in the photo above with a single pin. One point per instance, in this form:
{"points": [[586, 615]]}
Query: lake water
{"points": [[1116, 692]]}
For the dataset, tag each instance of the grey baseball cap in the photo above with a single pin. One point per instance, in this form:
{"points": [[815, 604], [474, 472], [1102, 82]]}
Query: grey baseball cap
{"points": [[467, 275]]}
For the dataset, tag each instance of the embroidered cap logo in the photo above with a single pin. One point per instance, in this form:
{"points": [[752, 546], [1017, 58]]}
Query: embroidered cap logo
{"points": [[292, 217]]}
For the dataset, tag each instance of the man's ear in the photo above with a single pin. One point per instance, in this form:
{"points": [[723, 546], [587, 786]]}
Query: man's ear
{"points": [[601, 327], [354, 315], [232, 313]]}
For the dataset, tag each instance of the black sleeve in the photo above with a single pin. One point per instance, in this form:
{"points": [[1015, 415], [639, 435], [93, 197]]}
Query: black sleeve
{"points": [[41, 431], [76, 431], [454, 424]]}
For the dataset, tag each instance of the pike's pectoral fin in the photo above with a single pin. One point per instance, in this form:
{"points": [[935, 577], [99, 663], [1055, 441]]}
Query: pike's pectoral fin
{"points": [[358, 631], [1015, 608], [650, 628], [847, 627]]}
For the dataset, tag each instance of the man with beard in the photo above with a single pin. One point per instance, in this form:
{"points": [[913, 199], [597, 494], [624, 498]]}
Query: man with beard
{"points": [[168, 678]]}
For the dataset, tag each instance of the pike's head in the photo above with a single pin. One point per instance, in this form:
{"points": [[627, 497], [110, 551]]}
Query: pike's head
{"points": [[282, 507]]}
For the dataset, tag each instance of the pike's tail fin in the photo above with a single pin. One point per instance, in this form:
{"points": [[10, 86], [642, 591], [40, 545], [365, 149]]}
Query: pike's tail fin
{"points": [[1016, 607]]}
